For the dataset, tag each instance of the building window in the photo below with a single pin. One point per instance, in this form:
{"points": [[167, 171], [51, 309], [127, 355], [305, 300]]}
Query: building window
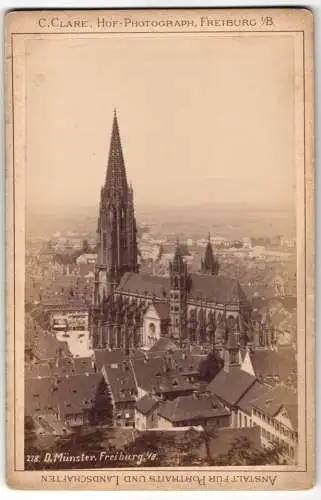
{"points": [[240, 420], [151, 328], [245, 421]]}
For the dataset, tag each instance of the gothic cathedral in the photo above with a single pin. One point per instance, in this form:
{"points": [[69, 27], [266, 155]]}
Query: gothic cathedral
{"points": [[131, 309]]}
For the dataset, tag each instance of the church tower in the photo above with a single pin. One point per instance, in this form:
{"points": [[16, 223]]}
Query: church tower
{"points": [[232, 351], [117, 246], [209, 265], [178, 295]]}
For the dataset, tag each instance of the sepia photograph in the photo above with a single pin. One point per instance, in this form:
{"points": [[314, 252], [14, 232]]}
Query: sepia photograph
{"points": [[159, 242]]}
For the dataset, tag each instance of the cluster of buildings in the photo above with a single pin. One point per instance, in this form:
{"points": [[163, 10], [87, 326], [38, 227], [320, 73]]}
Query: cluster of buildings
{"points": [[150, 336], [163, 389], [69, 242]]}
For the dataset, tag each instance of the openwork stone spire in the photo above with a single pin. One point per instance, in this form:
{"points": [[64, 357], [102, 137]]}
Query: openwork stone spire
{"points": [[116, 181]]}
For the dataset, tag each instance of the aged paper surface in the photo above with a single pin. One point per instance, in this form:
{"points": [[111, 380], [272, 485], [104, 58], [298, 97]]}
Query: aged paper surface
{"points": [[160, 249]]}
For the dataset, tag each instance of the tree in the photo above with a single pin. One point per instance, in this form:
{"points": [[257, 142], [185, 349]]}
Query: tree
{"points": [[242, 452], [210, 367]]}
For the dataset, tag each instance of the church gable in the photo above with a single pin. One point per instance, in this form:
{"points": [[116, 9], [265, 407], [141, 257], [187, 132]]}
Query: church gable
{"points": [[246, 365], [152, 313], [151, 327]]}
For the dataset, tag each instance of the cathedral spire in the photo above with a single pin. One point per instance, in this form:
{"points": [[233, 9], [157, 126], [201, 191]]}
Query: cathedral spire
{"points": [[178, 261], [116, 181], [209, 264], [117, 250]]}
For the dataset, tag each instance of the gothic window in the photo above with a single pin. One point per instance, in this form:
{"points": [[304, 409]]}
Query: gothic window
{"points": [[230, 322], [233, 357], [152, 328], [176, 282]]}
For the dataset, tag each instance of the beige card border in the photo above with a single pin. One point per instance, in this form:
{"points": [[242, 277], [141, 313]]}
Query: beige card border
{"points": [[23, 24]]}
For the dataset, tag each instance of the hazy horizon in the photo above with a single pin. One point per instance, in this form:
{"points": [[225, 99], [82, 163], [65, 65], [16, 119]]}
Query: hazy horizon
{"points": [[203, 120]]}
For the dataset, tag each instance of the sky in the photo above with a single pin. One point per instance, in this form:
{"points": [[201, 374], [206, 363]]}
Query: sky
{"points": [[203, 119]]}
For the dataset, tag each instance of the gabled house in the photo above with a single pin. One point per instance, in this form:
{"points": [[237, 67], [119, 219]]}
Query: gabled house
{"points": [[146, 416], [275, 411], [122, 390], [194, 410]]}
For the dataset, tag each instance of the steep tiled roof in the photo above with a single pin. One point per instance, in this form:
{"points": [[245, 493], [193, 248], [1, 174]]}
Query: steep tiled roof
{"points": [[68, 292], [145, 283], [108, 357], [72, 366], [39, 397], [232, 385], [162, 309], [191, 408], [159, 374], [272, 400], [268, 363], [219, 289], [255, 391], [146, 404], [121, 381], [59, 368], [77, 393], [70, 394]]}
